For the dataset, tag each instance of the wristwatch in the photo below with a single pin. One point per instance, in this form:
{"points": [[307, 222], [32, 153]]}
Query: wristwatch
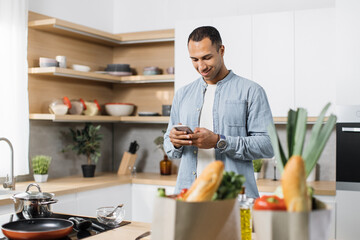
{"points": [[222, 143]]}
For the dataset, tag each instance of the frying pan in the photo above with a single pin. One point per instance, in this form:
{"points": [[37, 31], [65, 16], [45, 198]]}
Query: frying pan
{"points": [[37, 228]]}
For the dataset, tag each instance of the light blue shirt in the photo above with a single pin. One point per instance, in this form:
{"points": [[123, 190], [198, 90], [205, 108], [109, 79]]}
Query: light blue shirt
{"points": [[241, 113]]}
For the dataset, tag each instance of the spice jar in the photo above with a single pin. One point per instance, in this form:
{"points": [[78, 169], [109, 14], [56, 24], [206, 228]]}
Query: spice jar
{"points": [[165, 166], [92, 108], [77, 107], [60, 106]]}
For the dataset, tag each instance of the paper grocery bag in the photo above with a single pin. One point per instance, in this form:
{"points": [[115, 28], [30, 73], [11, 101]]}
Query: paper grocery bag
{"points": [[179, 220], [283, 225]]}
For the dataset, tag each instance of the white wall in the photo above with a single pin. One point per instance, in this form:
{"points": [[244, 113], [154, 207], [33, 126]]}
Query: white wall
{"points": [[92, 13], [142, 15]]}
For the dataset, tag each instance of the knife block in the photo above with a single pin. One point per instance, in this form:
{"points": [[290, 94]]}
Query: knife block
{"points": [[128, 160]]}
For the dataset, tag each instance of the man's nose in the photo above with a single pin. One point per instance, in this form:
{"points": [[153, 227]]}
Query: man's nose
{"points": [[202, 65]]}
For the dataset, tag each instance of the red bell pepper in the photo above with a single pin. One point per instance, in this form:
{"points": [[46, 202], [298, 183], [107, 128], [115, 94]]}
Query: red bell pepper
{"points": [[180, 196], [269, 203]]}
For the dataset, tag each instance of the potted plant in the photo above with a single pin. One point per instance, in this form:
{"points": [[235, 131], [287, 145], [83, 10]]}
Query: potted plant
{"points": [[257, 164], [87, 142], [165, 164], [40, 165]]}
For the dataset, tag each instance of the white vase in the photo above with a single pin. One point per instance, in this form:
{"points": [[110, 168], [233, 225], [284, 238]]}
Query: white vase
{"points": [[40, 178], [257, 175]]}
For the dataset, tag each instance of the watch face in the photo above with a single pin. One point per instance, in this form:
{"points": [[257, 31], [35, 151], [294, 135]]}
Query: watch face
{"points": [[221, 144]]}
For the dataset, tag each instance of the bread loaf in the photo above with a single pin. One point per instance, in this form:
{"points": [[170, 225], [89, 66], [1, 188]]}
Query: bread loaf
{"points": [[206, 184], [293, 184]]}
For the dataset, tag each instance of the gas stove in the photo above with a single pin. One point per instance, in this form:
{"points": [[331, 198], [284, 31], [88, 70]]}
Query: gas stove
{"points": [[76, 233]]}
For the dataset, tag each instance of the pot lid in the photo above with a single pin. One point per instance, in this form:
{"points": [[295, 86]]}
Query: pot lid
{"points": [[34, 195]]}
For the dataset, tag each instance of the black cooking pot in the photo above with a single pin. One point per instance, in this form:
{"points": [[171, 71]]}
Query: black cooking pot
{"points": [[33, 204]]}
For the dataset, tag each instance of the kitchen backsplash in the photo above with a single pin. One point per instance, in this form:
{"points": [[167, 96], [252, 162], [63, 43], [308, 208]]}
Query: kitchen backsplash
{"points": [[46, 138]]}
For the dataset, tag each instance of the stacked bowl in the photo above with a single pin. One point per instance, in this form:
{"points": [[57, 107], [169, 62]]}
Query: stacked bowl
{"points": [[118, 69]]}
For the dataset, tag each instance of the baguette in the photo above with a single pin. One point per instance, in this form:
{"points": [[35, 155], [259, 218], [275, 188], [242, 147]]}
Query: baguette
{"points": [[206, 184], [294, 185]]}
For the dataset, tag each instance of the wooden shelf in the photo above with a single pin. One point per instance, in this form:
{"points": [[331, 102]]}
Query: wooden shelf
{"points": [[130, 119], [73, 30], [66, 72], [283, 120], [83, 118]]}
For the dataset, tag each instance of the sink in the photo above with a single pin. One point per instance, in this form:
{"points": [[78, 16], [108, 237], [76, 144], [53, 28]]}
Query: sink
{"points": [[6, 192]]}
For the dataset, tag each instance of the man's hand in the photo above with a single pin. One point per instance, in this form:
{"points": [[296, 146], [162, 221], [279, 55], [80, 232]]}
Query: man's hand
{"points": [[179, 138], [204, 138]]}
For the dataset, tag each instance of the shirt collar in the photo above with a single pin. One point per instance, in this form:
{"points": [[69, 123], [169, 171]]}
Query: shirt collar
{"points": [[225, 79]]}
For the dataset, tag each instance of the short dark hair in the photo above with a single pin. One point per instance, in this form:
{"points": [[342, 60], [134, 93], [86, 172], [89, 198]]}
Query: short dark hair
{"points": [[206, 32]]}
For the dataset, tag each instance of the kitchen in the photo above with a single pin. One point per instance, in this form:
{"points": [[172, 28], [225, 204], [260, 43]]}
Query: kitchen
{"points": [[45, 136]]}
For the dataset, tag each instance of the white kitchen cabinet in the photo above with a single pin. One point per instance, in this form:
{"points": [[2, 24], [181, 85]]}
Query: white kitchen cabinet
{"points": [[88, 201], [66, 204], [273, 58], [236, 36], [315, 71], [9, 208], [143, 196], [347, 214]]}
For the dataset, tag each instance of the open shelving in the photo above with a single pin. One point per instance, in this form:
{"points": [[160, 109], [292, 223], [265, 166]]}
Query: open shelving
{"points": [[69, 73]]}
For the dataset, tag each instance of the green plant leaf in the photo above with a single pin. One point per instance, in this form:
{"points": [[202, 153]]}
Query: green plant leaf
{"points": [[278, 150], [290, 130], [313, 151], [300, 132]]}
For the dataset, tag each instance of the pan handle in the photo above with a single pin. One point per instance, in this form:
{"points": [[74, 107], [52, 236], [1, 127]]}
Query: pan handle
{"points": [[49, 202]]}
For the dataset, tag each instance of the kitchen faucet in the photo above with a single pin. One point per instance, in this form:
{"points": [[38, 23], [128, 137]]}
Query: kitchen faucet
{"points": [[7, 183]]}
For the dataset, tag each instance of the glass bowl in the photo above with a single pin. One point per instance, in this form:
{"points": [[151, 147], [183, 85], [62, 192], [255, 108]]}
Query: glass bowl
{"points": [[102, 215]]}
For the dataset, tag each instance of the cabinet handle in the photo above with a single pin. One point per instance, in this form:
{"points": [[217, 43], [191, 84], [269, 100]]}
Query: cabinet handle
{"points": [[349, 129]]}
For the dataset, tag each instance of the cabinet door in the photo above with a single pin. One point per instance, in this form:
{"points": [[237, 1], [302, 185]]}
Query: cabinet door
{"points": [[347, 214], [236, 36], [89, 201], [66, 204], [6, 209], [185, 72], [273, 58], [315, 59], [143, 196]]}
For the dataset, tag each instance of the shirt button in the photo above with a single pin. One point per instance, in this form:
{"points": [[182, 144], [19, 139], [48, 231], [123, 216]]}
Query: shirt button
{"points": [[194, 173], [198, 109], [194, 152]]}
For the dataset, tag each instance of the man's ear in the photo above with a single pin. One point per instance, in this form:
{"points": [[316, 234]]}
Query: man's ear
{"points": [[222, 50]]}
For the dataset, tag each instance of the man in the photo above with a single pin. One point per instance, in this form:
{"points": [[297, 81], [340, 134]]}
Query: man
{"points": [[228, 114]]}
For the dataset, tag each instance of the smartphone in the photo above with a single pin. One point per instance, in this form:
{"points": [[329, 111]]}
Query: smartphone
{"points": [[183, 128]]}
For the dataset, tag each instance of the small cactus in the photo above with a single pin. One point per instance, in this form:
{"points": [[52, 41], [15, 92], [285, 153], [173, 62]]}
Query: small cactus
{"points": [[40, 164]]}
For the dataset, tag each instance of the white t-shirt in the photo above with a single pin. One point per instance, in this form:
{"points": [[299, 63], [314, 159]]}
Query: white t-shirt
{"points": [[206, 156]]}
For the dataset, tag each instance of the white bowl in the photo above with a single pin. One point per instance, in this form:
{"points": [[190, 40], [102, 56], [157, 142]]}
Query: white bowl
{"points": [[81, 68], [119, 109]]}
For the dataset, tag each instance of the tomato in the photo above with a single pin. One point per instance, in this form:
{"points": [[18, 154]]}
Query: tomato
{"points": [[181, 195], [269, 203]]}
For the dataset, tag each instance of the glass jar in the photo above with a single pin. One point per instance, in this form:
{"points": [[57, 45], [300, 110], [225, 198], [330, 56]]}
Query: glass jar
{"points": [[165, 166], [245, 216], [92, 108], [77, 107], [60, 106]]}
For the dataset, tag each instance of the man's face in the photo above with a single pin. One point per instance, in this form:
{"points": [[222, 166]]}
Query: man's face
{"points": [[206, 60]]}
